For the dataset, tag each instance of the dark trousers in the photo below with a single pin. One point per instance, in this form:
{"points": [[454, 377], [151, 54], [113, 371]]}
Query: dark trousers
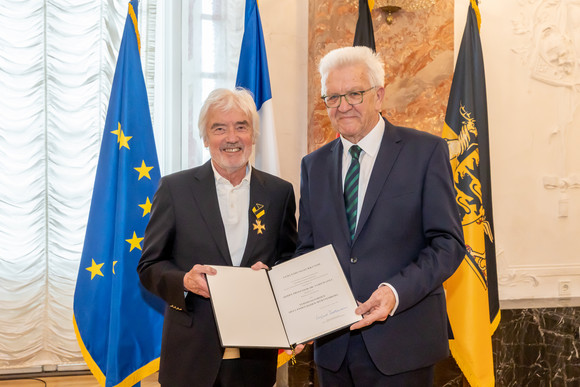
{"points": [[358, 370], [245, 373]]}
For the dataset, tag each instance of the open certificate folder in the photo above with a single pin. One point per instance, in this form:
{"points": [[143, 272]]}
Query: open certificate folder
{"points": [[295, 302]]}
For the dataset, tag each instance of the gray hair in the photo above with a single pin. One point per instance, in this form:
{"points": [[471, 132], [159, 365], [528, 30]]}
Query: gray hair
{"points": [[348, 56], [225, 100]]}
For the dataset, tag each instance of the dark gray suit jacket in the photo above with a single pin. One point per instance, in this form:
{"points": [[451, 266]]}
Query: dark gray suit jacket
{"points": [[408, 235], [186, 229]]}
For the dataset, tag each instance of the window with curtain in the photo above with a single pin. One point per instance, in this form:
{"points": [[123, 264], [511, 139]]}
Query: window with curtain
{"points": [[212, 32], [57, 60]]}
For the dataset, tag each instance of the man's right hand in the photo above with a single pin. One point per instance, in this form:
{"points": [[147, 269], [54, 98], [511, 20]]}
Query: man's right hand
{"points": [[299, 348], [194, 280]]}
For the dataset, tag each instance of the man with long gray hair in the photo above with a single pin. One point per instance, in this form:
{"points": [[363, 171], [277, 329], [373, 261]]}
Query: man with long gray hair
{"points": [[224, 212]]}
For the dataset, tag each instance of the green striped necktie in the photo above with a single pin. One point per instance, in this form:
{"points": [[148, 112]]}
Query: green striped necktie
{"points": [[351, 189]]}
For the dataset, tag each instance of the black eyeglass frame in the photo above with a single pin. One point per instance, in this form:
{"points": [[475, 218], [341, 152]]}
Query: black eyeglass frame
{"points": [[340, 96]]}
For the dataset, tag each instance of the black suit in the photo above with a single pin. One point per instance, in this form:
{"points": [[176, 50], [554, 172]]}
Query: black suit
{"points": [[186, 229], [409, 235]]}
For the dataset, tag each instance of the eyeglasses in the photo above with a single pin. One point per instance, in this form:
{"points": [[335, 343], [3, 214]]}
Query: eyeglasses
{"points": [[352, 98]]}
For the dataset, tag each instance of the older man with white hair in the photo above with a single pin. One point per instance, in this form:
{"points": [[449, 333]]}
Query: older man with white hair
{"points": [[383, 196], [224, 212]]}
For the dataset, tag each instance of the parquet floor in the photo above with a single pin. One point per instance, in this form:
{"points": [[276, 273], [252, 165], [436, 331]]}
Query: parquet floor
{"points": [[68, 381]]}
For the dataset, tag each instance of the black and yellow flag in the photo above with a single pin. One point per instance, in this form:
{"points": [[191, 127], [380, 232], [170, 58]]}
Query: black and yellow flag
{"points": [[364, 34], [472, 296]]}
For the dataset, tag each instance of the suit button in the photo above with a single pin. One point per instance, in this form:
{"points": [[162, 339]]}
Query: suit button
{"points": [[353, 260]]}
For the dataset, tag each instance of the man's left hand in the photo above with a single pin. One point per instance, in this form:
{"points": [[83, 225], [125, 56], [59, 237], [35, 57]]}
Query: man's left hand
{"points": [[259, 266], [376, 308]]}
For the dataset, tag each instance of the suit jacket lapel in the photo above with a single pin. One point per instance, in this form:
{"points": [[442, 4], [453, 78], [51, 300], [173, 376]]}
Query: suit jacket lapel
{"points": [[204, 191], [388, 153], [260, 200], [337, 199]]}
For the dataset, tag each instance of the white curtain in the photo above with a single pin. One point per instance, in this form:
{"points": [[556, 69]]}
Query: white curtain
{"points": [[57, 60]]}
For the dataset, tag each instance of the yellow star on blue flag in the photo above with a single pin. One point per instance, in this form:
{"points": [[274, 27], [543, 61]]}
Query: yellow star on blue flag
{"points": [[146, 207], [144, 170], [135, 242], [117, 322], [95, 269], [121, 138]]}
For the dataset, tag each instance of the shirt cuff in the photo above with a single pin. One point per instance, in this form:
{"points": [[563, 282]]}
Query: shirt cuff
{"points": [[231, 353], [396, 297]]}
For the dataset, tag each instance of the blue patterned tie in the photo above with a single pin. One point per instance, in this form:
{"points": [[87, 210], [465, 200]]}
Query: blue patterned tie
{"points": [[351, 189]]}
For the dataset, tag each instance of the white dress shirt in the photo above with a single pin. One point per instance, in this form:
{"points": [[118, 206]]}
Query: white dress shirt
{"points": [[370, 145], [234, 203]]}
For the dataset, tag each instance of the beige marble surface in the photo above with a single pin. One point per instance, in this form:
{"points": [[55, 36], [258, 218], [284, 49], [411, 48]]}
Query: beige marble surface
{"points": [[418, 52]]}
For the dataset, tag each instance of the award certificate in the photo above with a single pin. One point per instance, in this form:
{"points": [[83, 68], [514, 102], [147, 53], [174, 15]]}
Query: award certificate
{"points": [[297, 301]]}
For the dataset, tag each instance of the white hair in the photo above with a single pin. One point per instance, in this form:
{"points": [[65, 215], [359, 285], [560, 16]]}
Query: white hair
{"points": [[348, 56], [225, 100]]}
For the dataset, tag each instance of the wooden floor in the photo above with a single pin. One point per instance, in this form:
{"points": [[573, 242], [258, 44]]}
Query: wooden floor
{"points": [[68, 381]]}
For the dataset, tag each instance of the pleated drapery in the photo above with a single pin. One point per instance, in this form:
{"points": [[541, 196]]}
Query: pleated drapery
{"points": [[57, 60]]}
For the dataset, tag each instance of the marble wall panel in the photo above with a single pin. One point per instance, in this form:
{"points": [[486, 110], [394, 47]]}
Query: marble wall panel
{"points": [[418, 52], [538, 347], [532, 347]]}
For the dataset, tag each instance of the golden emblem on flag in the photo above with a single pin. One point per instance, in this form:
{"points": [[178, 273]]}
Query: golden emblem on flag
{"points": [[464, 157]]}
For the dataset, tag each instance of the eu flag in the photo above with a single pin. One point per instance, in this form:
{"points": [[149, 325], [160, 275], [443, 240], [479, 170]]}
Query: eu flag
{"points": [[118, 324], [472, 297], [253, 75]]}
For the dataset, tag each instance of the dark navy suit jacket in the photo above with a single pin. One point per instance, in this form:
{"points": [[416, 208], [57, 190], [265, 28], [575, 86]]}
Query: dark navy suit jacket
{"points": [[408, 235], [186, 229]]}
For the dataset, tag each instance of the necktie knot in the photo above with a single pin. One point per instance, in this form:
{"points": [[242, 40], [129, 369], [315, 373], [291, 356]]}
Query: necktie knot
{"points": [[355, 151]]}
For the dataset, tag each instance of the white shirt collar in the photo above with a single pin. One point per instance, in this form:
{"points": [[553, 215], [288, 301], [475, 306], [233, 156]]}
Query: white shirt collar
{"points": [[370, 143], [222, 180]]}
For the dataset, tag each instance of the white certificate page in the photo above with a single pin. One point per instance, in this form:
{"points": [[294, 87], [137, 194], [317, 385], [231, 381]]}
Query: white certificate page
{"points": [[313, 295], [245, 309]]}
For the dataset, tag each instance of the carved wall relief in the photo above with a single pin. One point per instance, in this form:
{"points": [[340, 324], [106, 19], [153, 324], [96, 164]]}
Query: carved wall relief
{"points": [[548, 35]]}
